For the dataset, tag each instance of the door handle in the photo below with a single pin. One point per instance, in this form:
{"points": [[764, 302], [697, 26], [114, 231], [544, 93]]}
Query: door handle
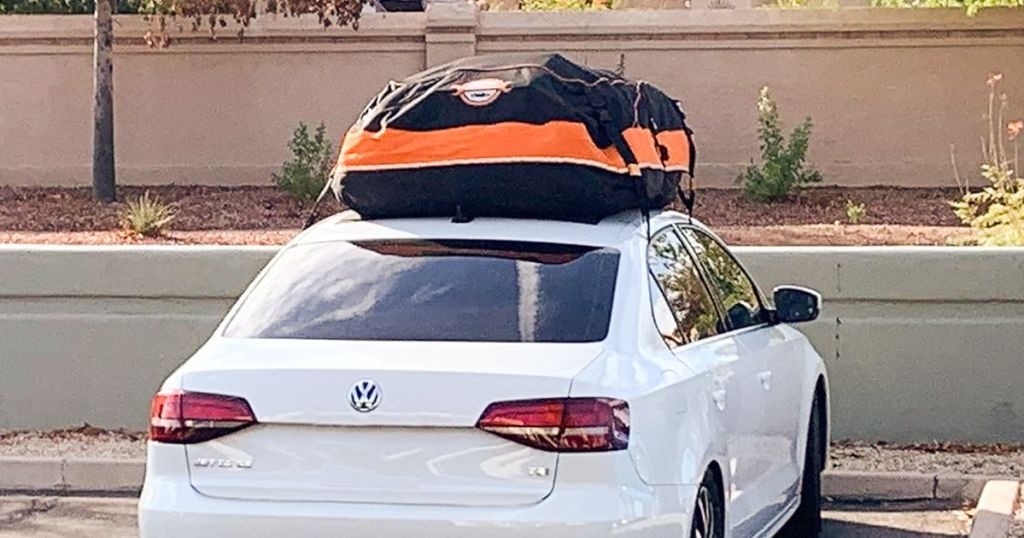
{"points": [[719, 397], [765, 378]]}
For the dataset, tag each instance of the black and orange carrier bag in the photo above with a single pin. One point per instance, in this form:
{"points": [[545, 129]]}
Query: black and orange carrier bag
{"points": [[528, 136]]}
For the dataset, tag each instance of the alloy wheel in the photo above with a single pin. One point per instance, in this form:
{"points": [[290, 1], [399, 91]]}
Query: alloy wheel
{"points": [[704, 516]]}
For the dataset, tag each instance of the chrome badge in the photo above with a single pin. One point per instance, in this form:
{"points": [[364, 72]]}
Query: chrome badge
{"points": [[364, 396], [222, 463]]}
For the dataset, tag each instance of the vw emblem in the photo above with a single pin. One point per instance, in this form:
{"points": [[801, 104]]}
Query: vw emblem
{"points": [[364, 396]]}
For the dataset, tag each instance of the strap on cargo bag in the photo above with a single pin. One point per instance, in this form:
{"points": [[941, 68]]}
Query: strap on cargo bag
{"points": [[632, 166], [314, 214], [626, 152], [687, 195], [688, 198]]}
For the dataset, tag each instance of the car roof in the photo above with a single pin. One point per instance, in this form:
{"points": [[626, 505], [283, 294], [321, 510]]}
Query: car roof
{"points": [[613, 230]]}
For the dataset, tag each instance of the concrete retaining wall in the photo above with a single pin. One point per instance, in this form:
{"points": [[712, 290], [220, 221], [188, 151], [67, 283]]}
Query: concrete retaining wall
{"points": [[921, 343], [889, 90]]}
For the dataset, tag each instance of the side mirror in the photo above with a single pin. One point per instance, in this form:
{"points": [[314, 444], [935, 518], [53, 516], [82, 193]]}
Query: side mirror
{"points": [[794, 304]]}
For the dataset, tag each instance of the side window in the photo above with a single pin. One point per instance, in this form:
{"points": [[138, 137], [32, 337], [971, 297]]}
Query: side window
{"points": [[739, 298], [664, 319], [676, 273]]}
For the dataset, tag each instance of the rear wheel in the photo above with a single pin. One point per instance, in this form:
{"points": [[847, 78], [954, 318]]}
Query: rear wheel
{"points": [[806, 521], [709, 512]]}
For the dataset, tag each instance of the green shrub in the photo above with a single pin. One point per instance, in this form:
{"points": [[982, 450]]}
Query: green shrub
{"points": [[782, 171], [305, 174], [972, 7], [146, 216], [855, 212], [803, 4], [996, 212], [564, 5]]}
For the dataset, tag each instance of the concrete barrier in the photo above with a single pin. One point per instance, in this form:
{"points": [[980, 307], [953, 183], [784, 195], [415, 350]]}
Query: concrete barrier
{"points": [[922, 343], [996, 507], [889, 90]]}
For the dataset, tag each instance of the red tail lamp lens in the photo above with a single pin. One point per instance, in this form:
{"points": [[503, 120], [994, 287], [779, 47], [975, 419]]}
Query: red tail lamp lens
{"points": [[182, 417], [561, 424]]}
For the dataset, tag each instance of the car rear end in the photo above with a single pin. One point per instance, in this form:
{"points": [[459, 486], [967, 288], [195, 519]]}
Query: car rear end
{"points": [[405, 386]]}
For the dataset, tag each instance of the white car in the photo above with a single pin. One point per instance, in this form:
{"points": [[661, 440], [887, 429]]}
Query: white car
{"points": [[496, 378]]}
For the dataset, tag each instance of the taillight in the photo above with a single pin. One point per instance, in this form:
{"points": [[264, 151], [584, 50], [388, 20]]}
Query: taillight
{"points": [[182, 417], [561, 424]]}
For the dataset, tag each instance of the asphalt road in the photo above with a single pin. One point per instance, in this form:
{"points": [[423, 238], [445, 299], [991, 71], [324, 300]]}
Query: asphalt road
{"points": [[82, 517]]}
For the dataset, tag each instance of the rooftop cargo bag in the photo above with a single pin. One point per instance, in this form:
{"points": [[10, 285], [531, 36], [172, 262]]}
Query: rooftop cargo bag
{"points": [[531, 136]]}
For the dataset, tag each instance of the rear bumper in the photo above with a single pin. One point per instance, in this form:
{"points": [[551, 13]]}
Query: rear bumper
{"points": [[196, 517], [169, 507]]}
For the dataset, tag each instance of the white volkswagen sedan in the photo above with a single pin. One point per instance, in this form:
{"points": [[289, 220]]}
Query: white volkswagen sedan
{"points": [[496, 378]]}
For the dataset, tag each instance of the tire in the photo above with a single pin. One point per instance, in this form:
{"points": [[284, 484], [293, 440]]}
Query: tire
{"points": [[806, 521], [709, 510]]}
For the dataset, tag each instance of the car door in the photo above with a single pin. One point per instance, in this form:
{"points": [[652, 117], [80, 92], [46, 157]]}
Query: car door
{"points": [[778, 370], [702, 341]]}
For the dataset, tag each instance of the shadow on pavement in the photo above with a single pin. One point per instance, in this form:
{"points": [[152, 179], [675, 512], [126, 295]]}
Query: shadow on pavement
{"points": [[844, 529], [891, 506]]}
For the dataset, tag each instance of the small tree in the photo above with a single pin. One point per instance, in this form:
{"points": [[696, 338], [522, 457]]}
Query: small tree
{"points": [[211, 14], [782, 168], [103, 170]]}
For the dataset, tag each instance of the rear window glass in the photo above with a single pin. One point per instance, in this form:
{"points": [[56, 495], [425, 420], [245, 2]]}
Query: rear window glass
{"points": [[452, 290]]}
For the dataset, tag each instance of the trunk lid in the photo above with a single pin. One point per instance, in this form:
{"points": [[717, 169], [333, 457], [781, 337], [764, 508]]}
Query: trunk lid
{"points": [[418, 446]]}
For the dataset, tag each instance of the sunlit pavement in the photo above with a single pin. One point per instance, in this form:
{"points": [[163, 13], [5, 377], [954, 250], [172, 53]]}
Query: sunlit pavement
{"points": [[84, 517]]}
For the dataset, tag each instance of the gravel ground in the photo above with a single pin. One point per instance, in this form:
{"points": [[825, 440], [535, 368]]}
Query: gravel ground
{"points": [[944, 458], [1018, 526], [85, 442], [988, 460]]}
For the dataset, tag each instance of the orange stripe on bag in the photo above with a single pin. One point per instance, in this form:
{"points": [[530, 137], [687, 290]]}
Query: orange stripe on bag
{"points": [[556, 142]]}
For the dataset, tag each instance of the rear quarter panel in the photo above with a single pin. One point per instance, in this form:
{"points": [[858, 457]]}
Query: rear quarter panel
{"points": [[673, 434]]}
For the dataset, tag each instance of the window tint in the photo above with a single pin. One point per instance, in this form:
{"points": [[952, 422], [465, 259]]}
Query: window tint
{"points": [[433, 290], [677, 276], [735, 290]]}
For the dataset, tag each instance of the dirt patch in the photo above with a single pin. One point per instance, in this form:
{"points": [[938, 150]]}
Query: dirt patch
{"points": [[195, 237], [259, 208], [266, 216], [827, 205], [60, 209]]}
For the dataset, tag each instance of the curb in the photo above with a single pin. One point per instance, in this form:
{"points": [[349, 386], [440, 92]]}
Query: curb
{"points": [[996, 509], [874, 486], [114, 477], [71, 476]]}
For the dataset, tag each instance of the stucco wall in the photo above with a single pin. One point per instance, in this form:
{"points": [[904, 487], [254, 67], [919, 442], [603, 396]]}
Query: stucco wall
{"points": [[921, 343], [889, 90]]}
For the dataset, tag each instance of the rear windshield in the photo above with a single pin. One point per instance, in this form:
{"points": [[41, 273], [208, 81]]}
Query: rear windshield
{"points": [[452, 290]]}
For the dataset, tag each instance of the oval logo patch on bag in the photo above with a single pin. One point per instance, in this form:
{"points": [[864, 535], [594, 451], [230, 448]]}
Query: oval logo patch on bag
{"points": [[481, 92]]}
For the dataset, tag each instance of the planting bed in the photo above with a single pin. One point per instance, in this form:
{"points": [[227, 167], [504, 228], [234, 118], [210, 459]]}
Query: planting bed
{"points": [[266, 216]]}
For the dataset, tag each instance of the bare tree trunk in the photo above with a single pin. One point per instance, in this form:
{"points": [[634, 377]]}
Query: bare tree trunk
{"points": [[103, 182]]}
